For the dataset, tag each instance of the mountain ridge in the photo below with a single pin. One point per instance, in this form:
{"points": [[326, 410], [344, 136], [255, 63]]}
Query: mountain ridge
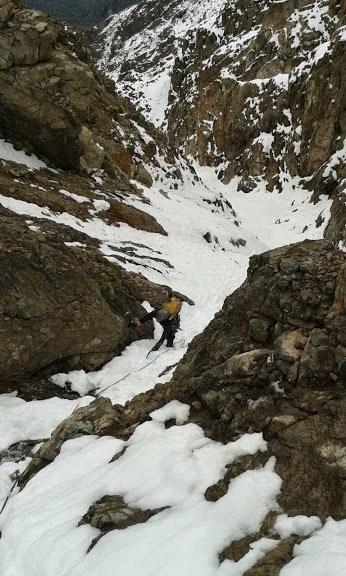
{"points": [[82, 15]]}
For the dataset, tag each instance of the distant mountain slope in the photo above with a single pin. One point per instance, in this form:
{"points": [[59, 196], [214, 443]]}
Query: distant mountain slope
{"points": [[83, 13], [255, 89]]}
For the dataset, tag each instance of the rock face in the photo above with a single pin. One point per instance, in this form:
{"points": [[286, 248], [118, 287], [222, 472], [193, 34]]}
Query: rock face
{"points": [[273, 360], [52, 310], [54, 103], [292, 309], [62, 307]]}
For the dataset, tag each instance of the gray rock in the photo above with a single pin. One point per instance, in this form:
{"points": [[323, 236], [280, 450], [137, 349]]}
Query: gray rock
{"points": [[96, 418], [112, 513], [289, 346]]}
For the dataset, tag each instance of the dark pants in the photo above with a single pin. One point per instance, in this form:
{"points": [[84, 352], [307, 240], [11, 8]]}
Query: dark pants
{"points": [[171, 336]]}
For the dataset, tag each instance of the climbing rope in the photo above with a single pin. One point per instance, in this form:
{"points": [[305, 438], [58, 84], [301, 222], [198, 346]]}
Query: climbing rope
{"points": [[96, 395], [134, 371], [129, 374], [10, 492]]}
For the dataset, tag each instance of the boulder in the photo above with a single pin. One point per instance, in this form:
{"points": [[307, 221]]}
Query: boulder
{"points": [[296, 295], [60, 309]]}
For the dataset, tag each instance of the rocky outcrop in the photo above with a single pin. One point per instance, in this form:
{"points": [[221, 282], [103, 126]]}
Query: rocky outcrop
{"points": [[273, 360], [76, 195], [99, 416], [62, 307], [52, 310], [53, 102], [290, 313], [272, 85]]}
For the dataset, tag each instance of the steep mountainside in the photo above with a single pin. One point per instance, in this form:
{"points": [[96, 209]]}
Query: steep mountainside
{"points": [[256, 89], [272, 361], [53, 103], [224, 454]]}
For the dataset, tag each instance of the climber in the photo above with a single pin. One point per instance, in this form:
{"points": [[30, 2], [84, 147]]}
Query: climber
{"points": [[168, 317]]}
